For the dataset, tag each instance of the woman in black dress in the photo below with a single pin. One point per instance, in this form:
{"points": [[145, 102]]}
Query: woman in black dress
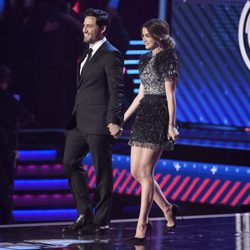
{"points": [[154, 128]]}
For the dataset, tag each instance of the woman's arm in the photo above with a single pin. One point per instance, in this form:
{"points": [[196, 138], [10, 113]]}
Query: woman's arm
{"points": [[134, 105], [170, 86]]}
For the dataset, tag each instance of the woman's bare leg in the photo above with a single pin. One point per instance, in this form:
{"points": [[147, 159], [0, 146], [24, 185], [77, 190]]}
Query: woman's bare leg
{"points": [[143, 162], [163, 203]]}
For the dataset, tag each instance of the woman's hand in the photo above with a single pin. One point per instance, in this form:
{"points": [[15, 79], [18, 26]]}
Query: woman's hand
{"points": [[115, 130], [172, 133]]}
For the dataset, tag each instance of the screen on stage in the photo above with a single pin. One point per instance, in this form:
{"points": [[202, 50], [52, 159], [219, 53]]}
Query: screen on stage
{"points": [[213, 40]]}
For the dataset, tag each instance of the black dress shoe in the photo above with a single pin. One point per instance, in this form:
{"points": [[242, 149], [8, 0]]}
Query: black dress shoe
{"points": [[93, 229], [79, 223], [140, 241], [173, 210]]}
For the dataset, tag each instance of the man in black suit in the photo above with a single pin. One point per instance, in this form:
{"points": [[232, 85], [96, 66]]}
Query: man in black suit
{"points": [[96, 119]]}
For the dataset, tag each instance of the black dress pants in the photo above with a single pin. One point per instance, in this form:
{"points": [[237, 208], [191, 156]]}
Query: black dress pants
{"points": [[78, 144]]}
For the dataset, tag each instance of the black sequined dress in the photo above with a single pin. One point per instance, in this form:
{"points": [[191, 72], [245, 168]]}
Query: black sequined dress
{"points": [[151, 123]]}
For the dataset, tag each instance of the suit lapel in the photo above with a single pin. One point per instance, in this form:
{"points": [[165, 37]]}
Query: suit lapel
{"points": [[90, 62], [79, 66], [78, 74]]}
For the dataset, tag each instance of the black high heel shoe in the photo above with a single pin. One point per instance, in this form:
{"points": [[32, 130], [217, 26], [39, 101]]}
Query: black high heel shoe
{"points": [[173, 209], [141, 241]]}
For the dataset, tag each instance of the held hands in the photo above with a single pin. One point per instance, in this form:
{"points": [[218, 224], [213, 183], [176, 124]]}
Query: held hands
{"points": [[115, 130], [172, 133]]}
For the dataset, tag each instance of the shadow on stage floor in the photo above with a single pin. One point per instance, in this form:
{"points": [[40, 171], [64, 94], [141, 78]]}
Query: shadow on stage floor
{"points": [[192, 232]]}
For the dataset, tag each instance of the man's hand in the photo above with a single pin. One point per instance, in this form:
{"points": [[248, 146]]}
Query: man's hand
{"points": [[115, 130]]}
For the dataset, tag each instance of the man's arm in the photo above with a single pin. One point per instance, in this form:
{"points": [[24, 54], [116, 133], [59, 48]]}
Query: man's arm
{"points": [[114, 73]]}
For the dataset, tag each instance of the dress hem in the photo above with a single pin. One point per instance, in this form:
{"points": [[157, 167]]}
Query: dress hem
{"points": [[149, 145]]}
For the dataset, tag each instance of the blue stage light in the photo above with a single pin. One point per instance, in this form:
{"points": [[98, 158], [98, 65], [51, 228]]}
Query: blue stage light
{"points": [[136, 42], [131, 62], [37, 155], [136, 52], [2, 6], [46, 184], [132, 71], [45, 215]]}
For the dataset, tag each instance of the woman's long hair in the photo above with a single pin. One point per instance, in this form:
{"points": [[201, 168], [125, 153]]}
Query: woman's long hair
{"points": [[159, 30]]}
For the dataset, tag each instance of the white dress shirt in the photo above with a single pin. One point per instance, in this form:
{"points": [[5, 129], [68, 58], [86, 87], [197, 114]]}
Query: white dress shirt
{"points": [[94, 47]]}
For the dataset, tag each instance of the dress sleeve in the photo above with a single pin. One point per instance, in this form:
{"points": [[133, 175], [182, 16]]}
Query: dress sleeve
{"points": [[144, 59], [170, 65]]}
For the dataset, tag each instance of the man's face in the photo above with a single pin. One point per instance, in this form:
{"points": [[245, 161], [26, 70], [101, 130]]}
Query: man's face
{"points": [[91, 31]]}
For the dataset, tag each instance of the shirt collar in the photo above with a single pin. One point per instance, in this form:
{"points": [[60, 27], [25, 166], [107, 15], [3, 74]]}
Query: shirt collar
{"points": [[97, 45]]}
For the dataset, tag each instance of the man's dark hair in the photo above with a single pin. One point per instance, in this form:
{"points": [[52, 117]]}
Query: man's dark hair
{"points": [[102, 17], [5, 74]]}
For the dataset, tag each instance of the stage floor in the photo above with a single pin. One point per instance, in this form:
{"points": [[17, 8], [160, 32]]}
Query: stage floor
{"points": [[229, 231]]}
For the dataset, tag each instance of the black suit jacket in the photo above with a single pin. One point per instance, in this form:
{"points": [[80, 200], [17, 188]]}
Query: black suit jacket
{"points": [[99, 92]]}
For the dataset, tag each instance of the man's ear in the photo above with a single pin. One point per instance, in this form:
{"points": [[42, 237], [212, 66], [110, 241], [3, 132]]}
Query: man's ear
{"points": [[103, 30]]}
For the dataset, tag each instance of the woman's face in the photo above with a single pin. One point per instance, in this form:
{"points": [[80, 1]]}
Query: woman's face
{"points": [[149, 41]]}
